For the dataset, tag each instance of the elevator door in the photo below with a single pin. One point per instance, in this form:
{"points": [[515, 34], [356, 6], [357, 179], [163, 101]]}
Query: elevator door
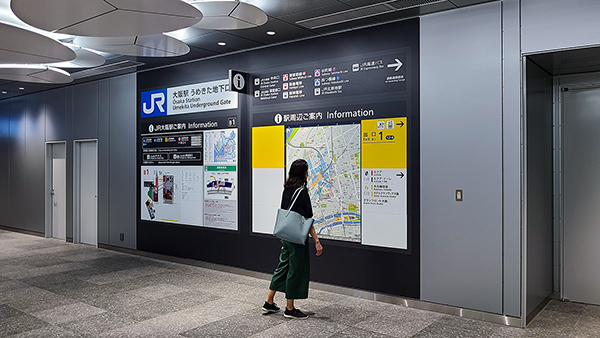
{"points": [[581, 195]]}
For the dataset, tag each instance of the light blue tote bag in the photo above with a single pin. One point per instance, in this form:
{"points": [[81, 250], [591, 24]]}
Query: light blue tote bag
{"points": [[290, 225]]}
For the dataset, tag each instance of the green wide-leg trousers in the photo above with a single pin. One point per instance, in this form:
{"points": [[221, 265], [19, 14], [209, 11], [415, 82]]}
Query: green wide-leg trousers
{"points": [[293, 271]]}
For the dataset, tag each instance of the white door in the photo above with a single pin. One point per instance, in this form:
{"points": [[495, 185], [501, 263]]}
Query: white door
{"points": [[59, 191], [88, 192], [581, 195]]}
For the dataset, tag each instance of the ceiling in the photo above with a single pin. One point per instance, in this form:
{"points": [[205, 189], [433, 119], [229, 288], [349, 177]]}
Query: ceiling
{"points": [[567, 62], [290, 20]]}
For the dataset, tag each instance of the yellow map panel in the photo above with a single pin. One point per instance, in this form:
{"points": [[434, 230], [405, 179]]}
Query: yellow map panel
{"points": [[384, 143]]}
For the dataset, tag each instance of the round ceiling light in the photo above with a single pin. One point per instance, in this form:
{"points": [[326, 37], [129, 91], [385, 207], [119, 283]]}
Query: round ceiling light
{"points": [[271, 33], [229, 14], [107, 18], [221, 43]]}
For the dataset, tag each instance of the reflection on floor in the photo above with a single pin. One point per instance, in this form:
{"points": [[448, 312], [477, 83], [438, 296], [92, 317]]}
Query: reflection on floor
{"points": [[49, 288]]}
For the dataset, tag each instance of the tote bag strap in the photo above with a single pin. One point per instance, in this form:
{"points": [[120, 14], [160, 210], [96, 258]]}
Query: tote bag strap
{"points": [[294, 198]]}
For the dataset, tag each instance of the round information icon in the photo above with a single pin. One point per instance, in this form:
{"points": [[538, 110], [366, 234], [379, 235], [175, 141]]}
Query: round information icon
{"points": [[238, 81]]}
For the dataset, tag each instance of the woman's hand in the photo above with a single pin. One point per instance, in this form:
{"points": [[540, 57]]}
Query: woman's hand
{"points": [[319, 248], [315, 238]]}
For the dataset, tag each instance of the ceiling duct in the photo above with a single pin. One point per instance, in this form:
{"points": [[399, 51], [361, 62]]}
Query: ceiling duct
{"points": [[406, 4], [363, 12], [107, 68]]}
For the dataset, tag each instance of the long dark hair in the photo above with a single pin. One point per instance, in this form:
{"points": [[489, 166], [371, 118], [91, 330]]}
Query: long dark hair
{"points": [[297, 175]]}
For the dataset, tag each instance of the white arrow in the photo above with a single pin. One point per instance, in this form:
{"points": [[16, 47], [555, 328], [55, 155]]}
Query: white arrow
{"points": [[398, 64]]}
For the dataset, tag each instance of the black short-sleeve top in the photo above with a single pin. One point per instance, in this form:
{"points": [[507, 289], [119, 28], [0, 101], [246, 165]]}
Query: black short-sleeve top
{"points": [[302, 205]]}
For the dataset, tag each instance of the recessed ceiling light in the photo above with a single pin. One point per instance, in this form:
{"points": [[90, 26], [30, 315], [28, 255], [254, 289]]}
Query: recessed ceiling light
{"points": [[221, 43], [4, 92], [21, 88], [271, 33]]}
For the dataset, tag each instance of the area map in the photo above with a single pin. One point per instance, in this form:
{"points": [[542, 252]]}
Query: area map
{"points": [[221, 146], [333, 156]]}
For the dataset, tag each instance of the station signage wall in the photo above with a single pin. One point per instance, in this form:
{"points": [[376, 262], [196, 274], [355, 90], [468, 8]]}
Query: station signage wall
{"points": [[347, 103]]}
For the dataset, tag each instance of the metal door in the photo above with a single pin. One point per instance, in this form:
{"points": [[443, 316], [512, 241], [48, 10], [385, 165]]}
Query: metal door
{"points": [[581, 194], [87, 185], [59, 191]]}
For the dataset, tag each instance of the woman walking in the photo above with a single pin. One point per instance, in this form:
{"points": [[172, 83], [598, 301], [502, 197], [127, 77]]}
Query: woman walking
{"points": [[292, 273]]}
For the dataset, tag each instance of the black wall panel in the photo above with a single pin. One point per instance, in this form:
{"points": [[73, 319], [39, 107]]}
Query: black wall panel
{"points": [[388, 271]]}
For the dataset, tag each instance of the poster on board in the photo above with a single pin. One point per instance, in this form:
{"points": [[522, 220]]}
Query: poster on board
{"points": [[357, 162], [189, 166]]}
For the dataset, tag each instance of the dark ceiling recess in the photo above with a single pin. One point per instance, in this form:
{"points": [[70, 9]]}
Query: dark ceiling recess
{"points": [[291, 20], [106, 69], [567, 62], [363, 12], [352, 14], [405, 4]]}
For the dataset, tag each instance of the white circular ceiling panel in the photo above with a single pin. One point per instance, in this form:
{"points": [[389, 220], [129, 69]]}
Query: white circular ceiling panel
{"points": [[85, 58], [18, 45], [34, 73], [229, 14], [107, 18], [148, 46]]}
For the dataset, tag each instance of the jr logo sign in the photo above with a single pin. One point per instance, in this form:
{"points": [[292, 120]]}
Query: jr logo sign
{"points": [[154, 103]]}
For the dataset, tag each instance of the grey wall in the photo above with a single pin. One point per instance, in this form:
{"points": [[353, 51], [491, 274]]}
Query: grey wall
{"points": [[103, 110], [556, 24], [581, 187], [511, 137], [470, 135], [4, 159], [16, 178], [104, 160], [539, 115], [35, 127], [123, 166], [461, 148]]}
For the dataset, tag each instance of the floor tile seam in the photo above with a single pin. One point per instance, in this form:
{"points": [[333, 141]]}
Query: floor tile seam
{"points": [[339, 329], [156, 321], [183, 265], [79, 317], [425, 326], [106, 312], [125, 277], [50, 326], [135, 294]]}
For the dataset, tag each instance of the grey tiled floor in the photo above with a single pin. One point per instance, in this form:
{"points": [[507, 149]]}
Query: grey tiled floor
{"points": [[49, 288]]}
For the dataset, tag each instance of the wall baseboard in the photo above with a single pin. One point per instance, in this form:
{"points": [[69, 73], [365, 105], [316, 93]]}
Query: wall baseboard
{"points": [[410, 303], [23, 231]]}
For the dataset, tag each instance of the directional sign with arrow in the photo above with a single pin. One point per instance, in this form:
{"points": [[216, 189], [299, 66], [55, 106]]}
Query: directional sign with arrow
{"points": [[398, 64]]}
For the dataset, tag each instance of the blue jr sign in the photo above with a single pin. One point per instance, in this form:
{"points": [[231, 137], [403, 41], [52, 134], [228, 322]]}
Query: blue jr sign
{"points": [[154, 103]]}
